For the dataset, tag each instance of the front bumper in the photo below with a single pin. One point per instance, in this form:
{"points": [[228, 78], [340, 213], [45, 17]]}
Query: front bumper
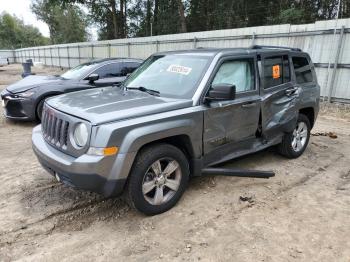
{"points": [[18, 108], [93, 173]]}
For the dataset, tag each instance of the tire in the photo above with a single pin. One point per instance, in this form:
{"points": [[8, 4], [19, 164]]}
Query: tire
{"points": [[291, 148], [150, 189], [39, 109]]}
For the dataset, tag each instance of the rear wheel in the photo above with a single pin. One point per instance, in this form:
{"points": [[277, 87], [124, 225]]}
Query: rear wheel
{"points": [[294, 143], [158, 179]]}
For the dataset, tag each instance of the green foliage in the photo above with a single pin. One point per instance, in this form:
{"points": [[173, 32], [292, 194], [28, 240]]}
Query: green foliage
{"points": [[108, 15], [15, 34], [66, 25], [203, 15], [291, 16], [108, 19], [128, 18], [159, 16]]}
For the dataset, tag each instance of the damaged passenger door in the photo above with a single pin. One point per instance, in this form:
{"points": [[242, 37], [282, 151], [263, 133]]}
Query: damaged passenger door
{"points": [[231, 125], [279, 96]]}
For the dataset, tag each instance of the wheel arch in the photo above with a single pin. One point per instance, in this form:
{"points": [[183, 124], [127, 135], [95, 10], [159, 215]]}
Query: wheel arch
{"points": [[43, 97], [309, 112], [181, 141]]}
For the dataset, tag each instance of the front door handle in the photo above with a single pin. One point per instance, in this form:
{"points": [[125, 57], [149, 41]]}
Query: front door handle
{"points": [[248, 105]]}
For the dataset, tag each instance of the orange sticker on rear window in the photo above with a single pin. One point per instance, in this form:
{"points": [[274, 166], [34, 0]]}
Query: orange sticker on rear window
{"points": [[276, 71]]}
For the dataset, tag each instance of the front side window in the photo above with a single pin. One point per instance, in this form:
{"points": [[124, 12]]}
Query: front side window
{"points": [[171, 75], [303, 73], [239, 73], [79, 71], [276, 71]]}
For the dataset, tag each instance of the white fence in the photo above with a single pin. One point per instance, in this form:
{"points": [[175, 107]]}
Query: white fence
{"points": [[319, 39], [10, 54]]}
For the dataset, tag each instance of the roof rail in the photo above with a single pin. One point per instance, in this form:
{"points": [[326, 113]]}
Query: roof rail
{"points": [[275, 47]]}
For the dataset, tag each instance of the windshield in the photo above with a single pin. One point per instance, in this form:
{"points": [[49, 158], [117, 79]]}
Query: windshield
{"points": [[79, 71], [170, 75]]}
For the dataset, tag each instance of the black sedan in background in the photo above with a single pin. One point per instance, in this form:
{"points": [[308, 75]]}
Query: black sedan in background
{"points": [[24, 99]]}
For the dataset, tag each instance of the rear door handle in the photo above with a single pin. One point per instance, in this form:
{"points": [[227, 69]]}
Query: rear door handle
{"points": [[291, 91], [248, 105]]}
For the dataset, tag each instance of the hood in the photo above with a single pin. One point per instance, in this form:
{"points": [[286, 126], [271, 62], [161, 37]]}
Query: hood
{"points": [[101, 105], [32, 81]]}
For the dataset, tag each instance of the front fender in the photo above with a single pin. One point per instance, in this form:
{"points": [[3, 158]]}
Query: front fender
{"points": [[143, 135], [131, 135]]}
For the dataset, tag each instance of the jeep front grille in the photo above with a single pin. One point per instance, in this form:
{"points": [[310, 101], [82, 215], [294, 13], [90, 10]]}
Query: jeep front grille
{"points": [[54, 129]]}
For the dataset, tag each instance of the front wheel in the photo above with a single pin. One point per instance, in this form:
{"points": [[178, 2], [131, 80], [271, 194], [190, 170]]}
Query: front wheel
{"points": [[39, 109], [158, 179], [294, 143]]}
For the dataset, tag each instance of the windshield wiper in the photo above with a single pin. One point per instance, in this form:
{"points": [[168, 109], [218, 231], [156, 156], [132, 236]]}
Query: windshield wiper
{"points": [[144, 89]]}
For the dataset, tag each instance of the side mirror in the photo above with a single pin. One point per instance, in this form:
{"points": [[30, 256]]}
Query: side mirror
{"points": [[92, 78], [222, 92]]}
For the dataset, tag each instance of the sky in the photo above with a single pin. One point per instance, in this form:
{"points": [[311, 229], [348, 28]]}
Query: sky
{"points": [[21, 8]]}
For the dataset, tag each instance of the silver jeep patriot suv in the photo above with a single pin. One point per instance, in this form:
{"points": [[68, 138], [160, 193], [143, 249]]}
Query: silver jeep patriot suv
{"points": [[178, 113]]}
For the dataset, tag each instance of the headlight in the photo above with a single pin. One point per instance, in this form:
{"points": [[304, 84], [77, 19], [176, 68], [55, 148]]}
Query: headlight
{"points": [[26, 94], [81, 134]]}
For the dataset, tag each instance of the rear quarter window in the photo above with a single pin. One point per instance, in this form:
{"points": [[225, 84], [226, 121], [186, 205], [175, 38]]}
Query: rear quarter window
{"points": [[302, 68]]}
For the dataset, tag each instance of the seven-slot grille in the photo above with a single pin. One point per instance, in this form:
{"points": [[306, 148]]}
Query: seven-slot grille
{"points": [[54, 129]]}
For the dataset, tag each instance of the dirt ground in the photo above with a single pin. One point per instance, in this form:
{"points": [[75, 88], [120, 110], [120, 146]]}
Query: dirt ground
{"points": [[302, 214]]}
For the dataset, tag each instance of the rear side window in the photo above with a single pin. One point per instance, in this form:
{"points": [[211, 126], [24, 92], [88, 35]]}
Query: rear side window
{"points": [[109, 70], [303, 73], [129, 67], [276, 71]]}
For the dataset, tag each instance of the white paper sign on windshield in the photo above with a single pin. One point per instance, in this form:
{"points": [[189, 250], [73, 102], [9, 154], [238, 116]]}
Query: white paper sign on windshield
{"points": [[179, 69]]}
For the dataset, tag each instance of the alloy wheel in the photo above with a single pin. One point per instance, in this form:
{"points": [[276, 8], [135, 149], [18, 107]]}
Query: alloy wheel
{"points": [[299, 136], [161, 181]]}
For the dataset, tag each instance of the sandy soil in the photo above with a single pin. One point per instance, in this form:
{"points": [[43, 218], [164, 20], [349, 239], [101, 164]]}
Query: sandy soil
{"points": [[302, 214]]}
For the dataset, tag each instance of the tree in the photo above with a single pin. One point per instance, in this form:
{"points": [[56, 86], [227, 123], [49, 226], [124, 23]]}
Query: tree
{"points": [[128, 18], [180, 6], [66, 25], [109, 15], [168, 17], [15, 34], [155, 16], [140, 17], [291, 16], [163, 16], [344, 9]]}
